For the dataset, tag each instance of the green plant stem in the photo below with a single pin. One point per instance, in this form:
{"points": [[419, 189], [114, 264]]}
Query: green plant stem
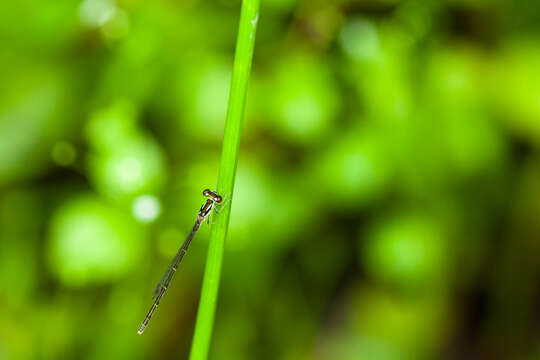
{"points": [[249, 17]]}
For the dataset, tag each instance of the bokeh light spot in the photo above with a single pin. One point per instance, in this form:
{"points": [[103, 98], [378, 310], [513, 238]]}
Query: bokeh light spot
{"points": [[359, 39], [146, 208], [356, 169], [109, 128], [135, 169], [406, 251], [302, 114], [92, 242], [303, 105], [129, 171], [95, 13]]}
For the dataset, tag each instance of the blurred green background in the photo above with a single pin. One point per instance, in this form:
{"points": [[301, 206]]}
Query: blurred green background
{"points": [[387, 202]]}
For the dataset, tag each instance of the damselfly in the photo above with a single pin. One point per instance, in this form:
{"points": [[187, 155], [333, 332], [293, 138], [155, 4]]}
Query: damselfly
{"points": [[203, 214]]}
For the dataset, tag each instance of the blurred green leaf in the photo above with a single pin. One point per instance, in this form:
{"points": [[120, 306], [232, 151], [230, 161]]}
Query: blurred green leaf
{"points": [[92, 242]]}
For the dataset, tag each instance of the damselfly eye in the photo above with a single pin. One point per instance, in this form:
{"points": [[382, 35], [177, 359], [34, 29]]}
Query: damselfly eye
{"points": [[206, 192], [218, 199]]}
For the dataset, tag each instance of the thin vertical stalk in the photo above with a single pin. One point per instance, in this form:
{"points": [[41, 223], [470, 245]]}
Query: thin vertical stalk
{"points": [[249, 17]]}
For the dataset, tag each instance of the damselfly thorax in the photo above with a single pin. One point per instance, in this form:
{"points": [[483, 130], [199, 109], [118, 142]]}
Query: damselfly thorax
{"points": [[206, 208]]}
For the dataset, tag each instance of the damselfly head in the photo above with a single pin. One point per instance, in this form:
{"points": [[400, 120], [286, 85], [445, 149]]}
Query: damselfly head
{"points": [[213, 195]]}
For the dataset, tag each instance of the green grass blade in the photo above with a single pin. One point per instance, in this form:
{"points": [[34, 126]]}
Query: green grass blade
{"points": [[229, 157]]}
